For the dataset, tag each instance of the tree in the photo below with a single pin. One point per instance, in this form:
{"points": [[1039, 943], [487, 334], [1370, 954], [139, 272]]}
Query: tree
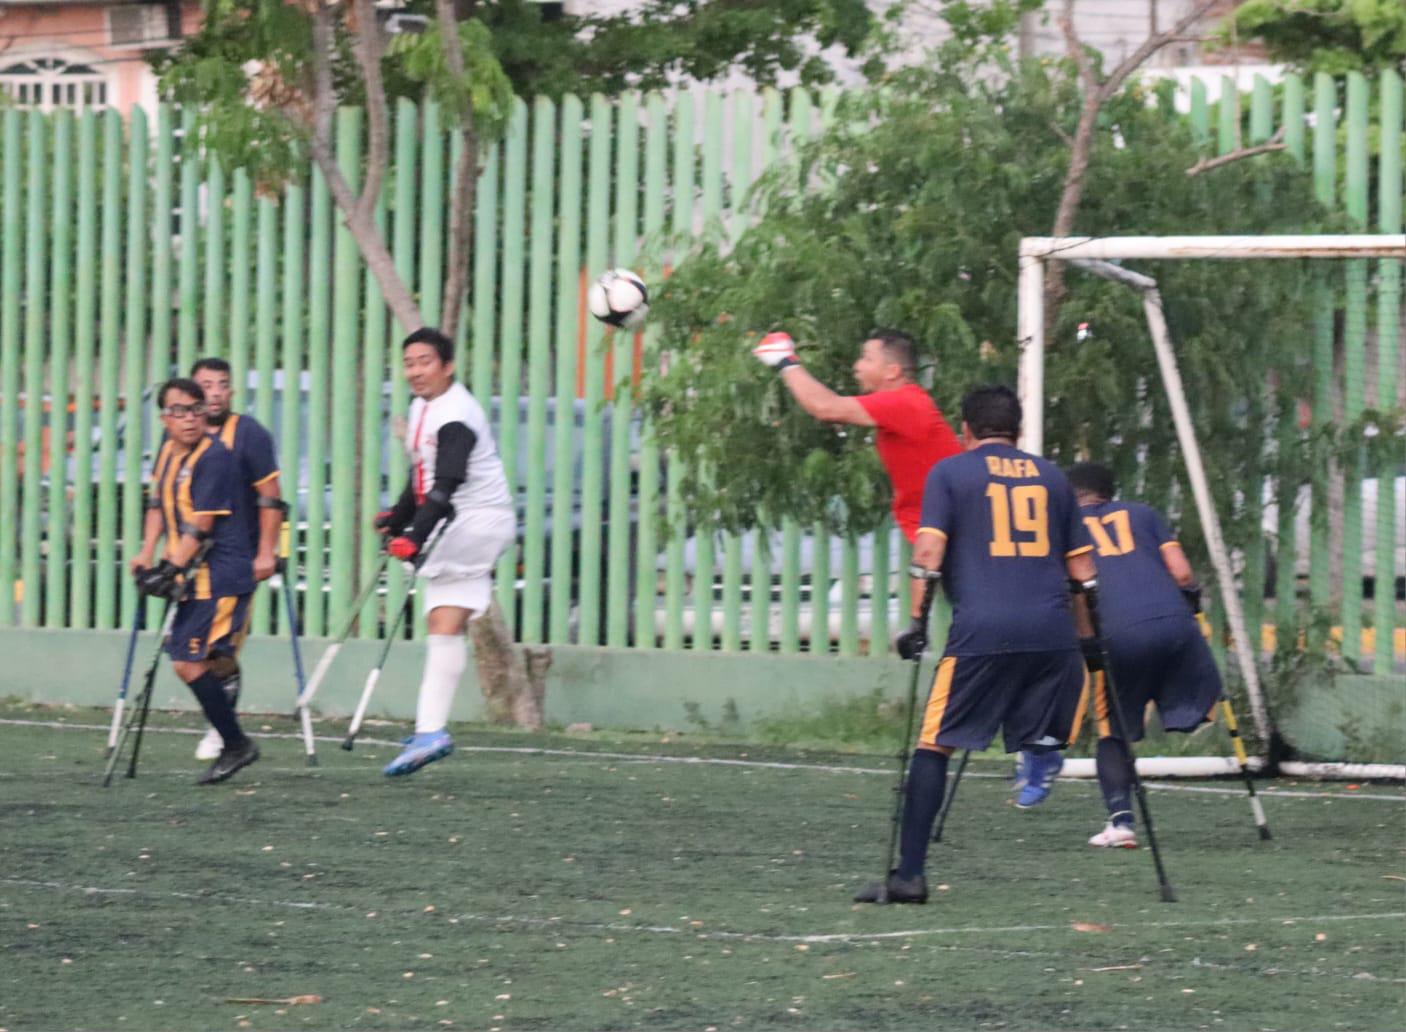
{"points": [[908, 212], [268, 76], [1332, 36]]}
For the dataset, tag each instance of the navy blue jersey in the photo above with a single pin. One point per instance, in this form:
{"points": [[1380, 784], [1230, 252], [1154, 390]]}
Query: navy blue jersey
{"points": [[1134, 583], [255, 463], [201, 481], [1010, 520]]}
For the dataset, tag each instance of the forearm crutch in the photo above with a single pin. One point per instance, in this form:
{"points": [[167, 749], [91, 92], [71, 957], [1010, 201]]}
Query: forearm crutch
{"points": [[324, 662], [1089, 589], [121, 702], [354, 728], [1243, 762], [951, 795], [141, 706], [304, 716]]}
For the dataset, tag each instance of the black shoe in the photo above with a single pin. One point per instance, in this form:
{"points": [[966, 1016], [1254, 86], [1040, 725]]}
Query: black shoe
{"points": [[229, 762], [894, 889]]}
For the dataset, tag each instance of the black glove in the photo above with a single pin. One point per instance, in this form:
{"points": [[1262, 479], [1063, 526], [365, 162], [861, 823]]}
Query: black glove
{"points": [[912, 643], [1192, 594], [1093, 654], [164, 580]]}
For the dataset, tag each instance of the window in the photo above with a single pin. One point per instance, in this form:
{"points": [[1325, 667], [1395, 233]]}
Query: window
{"points": [[48, 83]]}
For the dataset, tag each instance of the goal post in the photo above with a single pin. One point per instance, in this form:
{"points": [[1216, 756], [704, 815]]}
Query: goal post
{"points": [[1096, 255]]}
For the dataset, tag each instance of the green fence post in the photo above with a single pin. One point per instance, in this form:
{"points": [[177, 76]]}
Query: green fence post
{"points": [[618, 542], [820, 589], [265, 316], [1200, 113], [1325, 187], [290, 430], [241, 260], [137, 381], [110, 356], [405, 223], [1389, 193], [212, 305], [11, 294], [432, 215], [318, 286], [592, 459], [1286, 554], [34, 347], [373, 430], [681, 221], [60, 342], [346, 522], [568, 326], [509, 344], [85, 350], [879, 592], [187, 324], [539, 346], [849, 597], [162, 232], [1354, 364], [647, 597]]}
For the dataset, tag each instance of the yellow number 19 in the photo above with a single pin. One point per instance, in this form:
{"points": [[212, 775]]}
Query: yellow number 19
{"points": [[1019, 510]]}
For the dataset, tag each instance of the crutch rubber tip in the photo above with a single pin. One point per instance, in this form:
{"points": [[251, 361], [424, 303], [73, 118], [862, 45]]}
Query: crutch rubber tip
{"points": [[347, 743], [1168, 895], [312, 761], [1265, 836]]}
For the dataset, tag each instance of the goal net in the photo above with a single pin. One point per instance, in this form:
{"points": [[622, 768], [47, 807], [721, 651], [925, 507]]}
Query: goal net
{"points": [[1282, 460]]}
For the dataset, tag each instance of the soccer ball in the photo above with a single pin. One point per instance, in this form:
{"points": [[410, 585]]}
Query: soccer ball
{"points": [[619, 298]]}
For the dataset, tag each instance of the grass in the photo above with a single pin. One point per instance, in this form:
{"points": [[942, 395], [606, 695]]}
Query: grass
{"points": [[596, 882]]}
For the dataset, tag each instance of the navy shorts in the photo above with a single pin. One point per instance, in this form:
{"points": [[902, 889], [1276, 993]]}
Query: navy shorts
{"points": [[206, 627], [1033, 698], [1166, 662]]}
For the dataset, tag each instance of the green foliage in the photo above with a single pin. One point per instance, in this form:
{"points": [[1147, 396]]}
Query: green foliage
{"points": [[908, 212], [1332, 36], [486, 93]]}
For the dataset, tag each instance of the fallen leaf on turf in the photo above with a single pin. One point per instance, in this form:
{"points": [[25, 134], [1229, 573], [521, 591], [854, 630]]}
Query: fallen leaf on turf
{"points": [[1091, 926], [1118, 967], [1388, 877], [839, 974], [286, 1001]]}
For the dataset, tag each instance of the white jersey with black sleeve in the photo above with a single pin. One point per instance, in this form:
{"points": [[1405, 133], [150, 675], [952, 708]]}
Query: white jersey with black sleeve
{"points": [[483, 524]]}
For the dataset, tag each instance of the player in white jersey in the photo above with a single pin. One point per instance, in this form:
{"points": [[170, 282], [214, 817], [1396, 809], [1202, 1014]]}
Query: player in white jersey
{"points": [[456, 478]]}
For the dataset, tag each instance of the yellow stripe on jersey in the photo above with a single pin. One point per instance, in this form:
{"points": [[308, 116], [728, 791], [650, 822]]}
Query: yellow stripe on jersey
{"points": [[226, 433], [1169, 544], [932, 530], [937, 702], [1078, 551]]}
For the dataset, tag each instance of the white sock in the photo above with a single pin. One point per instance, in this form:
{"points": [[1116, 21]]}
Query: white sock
{"points": [[446, 655]]}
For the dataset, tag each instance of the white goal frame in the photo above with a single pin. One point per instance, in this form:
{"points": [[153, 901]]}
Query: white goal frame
{"points": [[1094, 254]]}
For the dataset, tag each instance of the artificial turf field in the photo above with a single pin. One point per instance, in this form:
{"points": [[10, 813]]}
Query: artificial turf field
{"points": [[597, 882]]}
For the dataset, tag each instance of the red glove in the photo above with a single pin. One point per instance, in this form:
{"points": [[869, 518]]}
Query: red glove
{"points": [[403, 548], [777, 350]]}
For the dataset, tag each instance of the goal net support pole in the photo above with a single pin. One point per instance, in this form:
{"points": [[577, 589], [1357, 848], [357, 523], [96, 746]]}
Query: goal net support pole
{"points": [[1093, 254]]}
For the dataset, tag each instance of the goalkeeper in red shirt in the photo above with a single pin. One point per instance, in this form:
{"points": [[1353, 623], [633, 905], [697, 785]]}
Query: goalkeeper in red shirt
{"points": [[912, 434]]}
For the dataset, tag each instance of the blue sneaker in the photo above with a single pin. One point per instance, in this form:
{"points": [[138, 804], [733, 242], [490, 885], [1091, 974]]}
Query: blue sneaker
{"points": [[1040, 770], [419, 750]]}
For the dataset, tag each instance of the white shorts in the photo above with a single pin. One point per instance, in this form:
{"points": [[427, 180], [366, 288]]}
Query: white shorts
{"points": [[459, 570]]}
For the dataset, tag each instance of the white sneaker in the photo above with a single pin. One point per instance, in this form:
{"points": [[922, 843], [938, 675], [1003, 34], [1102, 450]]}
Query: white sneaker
{"points": [[1115, 836], [210, 746]]}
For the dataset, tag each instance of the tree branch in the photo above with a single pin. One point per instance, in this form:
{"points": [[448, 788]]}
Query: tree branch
{"points": [[1150, 46], [370, 46], [1274, 143], [361, 224], [464, 189], [1075, 48]]}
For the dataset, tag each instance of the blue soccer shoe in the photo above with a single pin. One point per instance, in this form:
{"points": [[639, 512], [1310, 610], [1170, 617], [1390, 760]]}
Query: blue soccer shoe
{"points": [[1039, 771], [420, 749]]}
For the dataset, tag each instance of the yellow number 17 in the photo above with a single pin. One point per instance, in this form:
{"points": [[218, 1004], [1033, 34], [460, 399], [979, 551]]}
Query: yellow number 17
{"points": [[1019, 510]]}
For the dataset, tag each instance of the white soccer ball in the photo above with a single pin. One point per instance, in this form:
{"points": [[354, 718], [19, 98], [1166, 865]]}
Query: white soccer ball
{"points": [[619, 298]]}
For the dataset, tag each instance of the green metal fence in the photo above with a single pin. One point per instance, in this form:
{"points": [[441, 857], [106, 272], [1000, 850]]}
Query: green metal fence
{"points": [[127, 252]]}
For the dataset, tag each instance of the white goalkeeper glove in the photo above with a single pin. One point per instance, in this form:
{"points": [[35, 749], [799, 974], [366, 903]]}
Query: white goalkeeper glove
{"points": [[776, 350]]}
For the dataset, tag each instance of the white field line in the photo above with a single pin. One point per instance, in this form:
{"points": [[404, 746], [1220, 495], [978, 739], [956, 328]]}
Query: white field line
{"points": [[621, 926], [1267, 791]]}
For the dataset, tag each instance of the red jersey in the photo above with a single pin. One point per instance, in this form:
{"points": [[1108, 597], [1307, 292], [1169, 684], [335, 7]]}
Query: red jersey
{"points": [[912, 437]]}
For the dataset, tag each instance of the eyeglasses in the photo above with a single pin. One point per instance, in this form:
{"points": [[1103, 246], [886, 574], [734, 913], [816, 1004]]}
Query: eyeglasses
{"points": [[181, 411]]}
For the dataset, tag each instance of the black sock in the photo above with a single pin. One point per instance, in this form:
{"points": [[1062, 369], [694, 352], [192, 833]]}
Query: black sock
{"points": [[927, 779], [210, 692], [1115, 778]]}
